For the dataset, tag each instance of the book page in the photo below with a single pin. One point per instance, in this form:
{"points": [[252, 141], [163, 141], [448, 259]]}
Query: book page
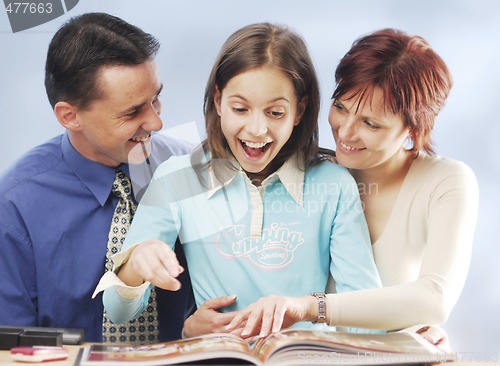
{"points": [[185, 350], [296, 347]]}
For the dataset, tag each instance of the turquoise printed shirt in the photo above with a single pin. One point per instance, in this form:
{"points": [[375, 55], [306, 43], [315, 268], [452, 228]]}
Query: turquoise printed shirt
{"points": [[283, 238]]}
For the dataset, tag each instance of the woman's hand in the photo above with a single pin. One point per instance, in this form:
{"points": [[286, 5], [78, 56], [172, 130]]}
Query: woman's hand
{"points": [[272, 313], [437, 336], [152, 261]]}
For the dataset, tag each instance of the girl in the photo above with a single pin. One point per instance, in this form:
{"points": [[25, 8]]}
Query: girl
{"points": [[257, 208], [421, 209]]}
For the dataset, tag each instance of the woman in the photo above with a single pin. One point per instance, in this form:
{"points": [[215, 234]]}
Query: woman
{"points": [[421, 209]]}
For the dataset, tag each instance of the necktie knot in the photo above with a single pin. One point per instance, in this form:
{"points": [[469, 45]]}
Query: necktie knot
{"points": [[122, 187]]}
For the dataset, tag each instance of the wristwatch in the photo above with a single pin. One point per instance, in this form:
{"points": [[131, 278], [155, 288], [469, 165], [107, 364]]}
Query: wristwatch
{"points": [[320, 296]]}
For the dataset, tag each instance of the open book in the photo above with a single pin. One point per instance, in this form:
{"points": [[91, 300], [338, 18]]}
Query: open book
{"points": [[288, 347]]}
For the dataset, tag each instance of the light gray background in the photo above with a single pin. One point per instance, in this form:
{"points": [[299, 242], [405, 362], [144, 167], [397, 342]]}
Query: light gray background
{"points": [[466, 33]]}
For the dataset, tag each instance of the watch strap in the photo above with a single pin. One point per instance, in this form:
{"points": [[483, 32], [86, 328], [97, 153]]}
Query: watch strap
{"points": [[321, 297]]}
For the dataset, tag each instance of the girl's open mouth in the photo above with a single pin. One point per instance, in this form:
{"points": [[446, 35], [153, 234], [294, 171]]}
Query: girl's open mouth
{"points": [[255, 149]]}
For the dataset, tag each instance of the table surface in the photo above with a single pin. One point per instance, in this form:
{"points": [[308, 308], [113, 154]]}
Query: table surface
{"points": [[6, 360]]}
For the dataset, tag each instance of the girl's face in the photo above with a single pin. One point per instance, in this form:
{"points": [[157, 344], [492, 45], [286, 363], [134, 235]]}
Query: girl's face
{"points": [[258, 109], [366, 138]]}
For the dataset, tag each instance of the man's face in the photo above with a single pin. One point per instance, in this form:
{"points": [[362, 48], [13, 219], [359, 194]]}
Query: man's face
{"points": [[112, 128]]}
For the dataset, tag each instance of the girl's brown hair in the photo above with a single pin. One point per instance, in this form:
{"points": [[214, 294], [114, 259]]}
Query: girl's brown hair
{"points": [[266, 45]]}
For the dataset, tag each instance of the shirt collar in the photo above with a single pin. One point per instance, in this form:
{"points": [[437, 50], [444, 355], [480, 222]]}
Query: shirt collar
{"points": [[292, 178], [96, 177], [228, 170], [290, 175]]}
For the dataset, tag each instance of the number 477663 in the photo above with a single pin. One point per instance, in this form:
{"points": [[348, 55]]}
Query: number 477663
{"points": [[28, 8]]}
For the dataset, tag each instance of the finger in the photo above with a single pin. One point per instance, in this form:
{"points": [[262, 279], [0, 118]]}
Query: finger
{"points": [[150, 257], [279, 315], [148, 267], [169, 261], [239, 318], [219, 302], [267, 320], [216, 319], [161, 277], [224, 320], [237, 331], [434, 335], [253, 322], [170, 284]]}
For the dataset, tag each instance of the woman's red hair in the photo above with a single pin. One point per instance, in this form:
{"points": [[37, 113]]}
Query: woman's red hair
{"points": [[414, 79]]}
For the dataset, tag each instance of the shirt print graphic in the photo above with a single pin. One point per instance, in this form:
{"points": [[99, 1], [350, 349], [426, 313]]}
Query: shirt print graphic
{"points": [[274, 250]]}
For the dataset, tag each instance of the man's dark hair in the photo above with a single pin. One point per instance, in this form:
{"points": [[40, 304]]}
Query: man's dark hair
{"points": [[85, 44]]}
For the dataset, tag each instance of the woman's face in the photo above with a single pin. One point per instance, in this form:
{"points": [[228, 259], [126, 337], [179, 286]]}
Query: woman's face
{"points": [[367, 137]]}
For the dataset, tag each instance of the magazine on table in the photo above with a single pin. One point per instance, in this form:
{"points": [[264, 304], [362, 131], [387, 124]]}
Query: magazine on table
{"points": [[288, 347]]}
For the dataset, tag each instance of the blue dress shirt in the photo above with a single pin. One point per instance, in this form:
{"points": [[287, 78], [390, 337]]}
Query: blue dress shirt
{"points": [[55, 214]]}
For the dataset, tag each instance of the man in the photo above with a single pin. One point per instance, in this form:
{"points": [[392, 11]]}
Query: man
{"points": [[56, 204]]}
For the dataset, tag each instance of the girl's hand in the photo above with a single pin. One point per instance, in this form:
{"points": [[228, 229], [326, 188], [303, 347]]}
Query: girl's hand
{"points": [[208, 319], [152, 261], [272, 313]]}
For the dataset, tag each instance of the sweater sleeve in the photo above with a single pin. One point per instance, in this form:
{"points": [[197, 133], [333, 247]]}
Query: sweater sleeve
{"points": [[352, 264], [444, 212], [156, 218]]}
